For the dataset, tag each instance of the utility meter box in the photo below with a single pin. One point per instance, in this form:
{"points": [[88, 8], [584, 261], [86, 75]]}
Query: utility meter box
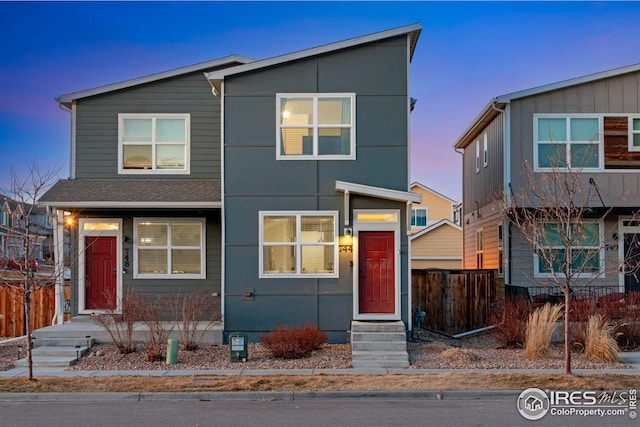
{"points": [[238, 347]]}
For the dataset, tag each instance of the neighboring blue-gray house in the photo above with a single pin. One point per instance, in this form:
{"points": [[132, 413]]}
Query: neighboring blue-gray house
{"points": [[279, 185]]}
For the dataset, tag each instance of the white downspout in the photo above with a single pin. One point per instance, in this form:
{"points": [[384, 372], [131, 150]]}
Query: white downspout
{"points": [[58, 248]]}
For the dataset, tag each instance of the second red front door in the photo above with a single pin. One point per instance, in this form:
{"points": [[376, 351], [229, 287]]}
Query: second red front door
{"points": [[376, 285]]}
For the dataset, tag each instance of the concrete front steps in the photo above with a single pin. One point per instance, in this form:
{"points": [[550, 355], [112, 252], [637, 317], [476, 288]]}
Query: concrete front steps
{"points": [[56, 352], [379, 344]]}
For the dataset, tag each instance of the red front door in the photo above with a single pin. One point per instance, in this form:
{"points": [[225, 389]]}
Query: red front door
{"points": [[100, 276], [376, 284]]}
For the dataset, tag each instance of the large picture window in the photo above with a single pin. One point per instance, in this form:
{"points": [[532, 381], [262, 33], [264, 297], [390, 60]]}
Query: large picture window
{"points": [[169, 248], [584, 243], [315, 126], [153, 143], [298, 244], [568, 142]]}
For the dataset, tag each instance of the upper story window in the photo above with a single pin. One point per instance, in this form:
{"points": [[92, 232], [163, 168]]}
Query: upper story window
{"points": [[153, 143], [478, 156], [562, 141], [634, 133], [480, 248], [316, 126], [298, 244], [486, 151], [419, 217]]}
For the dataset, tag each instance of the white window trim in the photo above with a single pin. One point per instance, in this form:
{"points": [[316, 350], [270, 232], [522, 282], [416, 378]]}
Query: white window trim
{"points": [[600, 273], [480, 251], [315, 156], [478, 156], [632, 132], [169, 274], [486, 150], [298, 245], [567, 117], [187, 148], [426, 215]]}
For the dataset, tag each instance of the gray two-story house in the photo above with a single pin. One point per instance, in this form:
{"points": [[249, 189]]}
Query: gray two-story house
{"points": [[280, 185], [587, 131]]}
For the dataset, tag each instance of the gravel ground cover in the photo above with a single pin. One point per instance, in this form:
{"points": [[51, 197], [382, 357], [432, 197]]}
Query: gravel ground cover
{"points": [[434, 351]]}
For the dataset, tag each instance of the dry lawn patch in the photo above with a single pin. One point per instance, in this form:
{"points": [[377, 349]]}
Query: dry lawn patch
{"points": [[320, 382]]}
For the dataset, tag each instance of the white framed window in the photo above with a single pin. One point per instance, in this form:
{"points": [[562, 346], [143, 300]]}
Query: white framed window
{"points": [[419, 217], [169, 248], [568, 141], [584, 243], [634, 133], [298, 244], [316, 126], [485, 151], [478, 156], [480, 248], [153, 143]]}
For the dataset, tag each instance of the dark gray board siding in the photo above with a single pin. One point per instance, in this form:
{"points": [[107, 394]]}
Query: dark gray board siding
{"points": [[163, 288], [97, 125], [255, 181]]}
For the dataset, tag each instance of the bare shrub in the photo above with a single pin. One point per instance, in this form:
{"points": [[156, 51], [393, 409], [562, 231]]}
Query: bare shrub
{"points": [[119, 326], [159, 330], [541, 324], [190, 311], [600, 344], [293, 343], [623, 311], [581, 311], [459, 355], [510, 320]]}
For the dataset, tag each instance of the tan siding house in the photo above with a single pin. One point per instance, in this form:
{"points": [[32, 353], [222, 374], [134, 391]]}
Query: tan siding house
{"points": [[436, 241]]}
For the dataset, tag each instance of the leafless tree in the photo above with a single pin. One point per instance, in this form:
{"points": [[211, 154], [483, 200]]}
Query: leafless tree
{"points": [[22, 236], [558, 213]]}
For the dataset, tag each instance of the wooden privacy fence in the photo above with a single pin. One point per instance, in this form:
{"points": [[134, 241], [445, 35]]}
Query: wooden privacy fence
{"points": [[454, 301], [12, 321]]}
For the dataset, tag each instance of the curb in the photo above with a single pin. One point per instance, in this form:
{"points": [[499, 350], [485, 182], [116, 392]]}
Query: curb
{"points": [[260, 396]]}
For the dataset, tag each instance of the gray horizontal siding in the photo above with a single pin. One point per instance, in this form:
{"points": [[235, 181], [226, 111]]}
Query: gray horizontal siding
{"points": [[97, 125], [613, 96]]}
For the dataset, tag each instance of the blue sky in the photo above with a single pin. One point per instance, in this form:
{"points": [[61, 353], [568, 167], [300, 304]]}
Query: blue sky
{"points": [[468, 53]]}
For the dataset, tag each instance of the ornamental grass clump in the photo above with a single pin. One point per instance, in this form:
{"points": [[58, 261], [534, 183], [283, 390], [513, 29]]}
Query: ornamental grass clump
{"points": [[600, 342], [542, 323], [293, 343]]}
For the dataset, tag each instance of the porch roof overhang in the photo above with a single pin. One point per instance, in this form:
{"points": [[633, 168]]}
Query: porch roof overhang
{"points": [[130, 193], [378, 192]]}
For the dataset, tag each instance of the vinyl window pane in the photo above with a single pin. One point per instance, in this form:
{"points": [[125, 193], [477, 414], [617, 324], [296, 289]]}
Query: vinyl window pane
{"points": [[552, 155], [585, 156], [334, 141], [185, 234], [552, 129], [317, 259], [185, 261], [152, 234], [152, 261], [317, 229], [170, 130], [584, 129], [296, 111], [137, 156], [334, 111], [279, 229], [137, 130], [555, 261], [279, 259], [170, 157]]}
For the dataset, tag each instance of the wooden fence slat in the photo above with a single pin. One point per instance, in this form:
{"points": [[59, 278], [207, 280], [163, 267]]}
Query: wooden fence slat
{"points": [[454, 301], [11, 307]]}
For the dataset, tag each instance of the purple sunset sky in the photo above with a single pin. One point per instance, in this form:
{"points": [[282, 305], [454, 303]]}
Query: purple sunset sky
{"points": [[468, 53]]}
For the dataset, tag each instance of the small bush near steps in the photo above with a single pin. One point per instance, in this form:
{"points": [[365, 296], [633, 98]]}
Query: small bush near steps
{"points": [[293, 343]]}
